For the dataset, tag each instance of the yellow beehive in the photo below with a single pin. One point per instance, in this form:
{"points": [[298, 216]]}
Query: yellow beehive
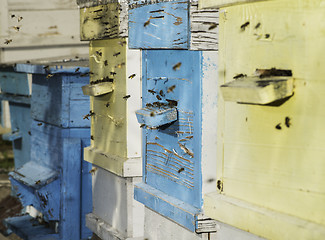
{"points": [[270, 162], [115, 95]]}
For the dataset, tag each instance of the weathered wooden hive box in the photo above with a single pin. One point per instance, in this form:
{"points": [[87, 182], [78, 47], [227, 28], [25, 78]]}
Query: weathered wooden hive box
{"points": [[115, 94], [270, 163], [57, 182], [38, 29], [172, 25], [178, 117], [16, 89]]}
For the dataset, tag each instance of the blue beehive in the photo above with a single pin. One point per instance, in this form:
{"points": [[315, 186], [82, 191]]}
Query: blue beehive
{"points": [[16, 89], [174, 24], [178, 116], [56, 181]]}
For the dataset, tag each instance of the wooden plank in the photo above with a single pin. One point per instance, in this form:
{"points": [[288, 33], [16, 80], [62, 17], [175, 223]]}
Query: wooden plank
{"points": [[280, 226], [204, 26], [254, 90], [156, 117], [98, 89], [168, 206]]}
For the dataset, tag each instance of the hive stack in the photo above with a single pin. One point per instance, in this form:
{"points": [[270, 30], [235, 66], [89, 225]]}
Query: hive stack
{"points": [[56, 181], [179, 109], [270, 163], [29, 30], [115, 94]]}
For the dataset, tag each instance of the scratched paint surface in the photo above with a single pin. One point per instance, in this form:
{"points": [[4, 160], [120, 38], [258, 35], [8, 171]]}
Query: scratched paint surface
{"points": [[104, 21], [172, 153], [159, 25]]}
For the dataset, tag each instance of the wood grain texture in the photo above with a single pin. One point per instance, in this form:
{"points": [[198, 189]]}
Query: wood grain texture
{"points": [[224, 3]]}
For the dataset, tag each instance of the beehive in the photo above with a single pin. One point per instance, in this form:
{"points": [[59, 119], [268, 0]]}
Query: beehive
{"points": [[178, 148], [56, 181], [270, 154]]}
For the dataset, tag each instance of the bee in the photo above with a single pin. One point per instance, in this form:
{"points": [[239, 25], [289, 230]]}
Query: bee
{"points": [[210, 180], [99, 53], [97, 18], [49, 76], [142, 125], [220, 185], [278, 126], [149, 105], [127, 96], [171, 103], [171, 89], [267, 35], [7, 41], [29, 133], [77, 69], [213, 26], [92, 137], [242, 27], [186, 150], [13, 15], [20, 18], [287, 122], [146, 23], [177, 66], [93, 170], [180, 170], [152, 92], [158, 97], [239, 76], [105, 62], [38, 182], [257, 25], [39, 124], [122, 43], [156, 138], [116, 54], [152, 114], [46, 67], [132, 75], [189, 137], [91, 113], [16, 28], [161, 92], [120, 65], [107, 104]]}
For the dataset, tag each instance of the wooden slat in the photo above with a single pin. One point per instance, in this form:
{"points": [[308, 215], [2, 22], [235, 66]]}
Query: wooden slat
{"points": [[27, 5]]}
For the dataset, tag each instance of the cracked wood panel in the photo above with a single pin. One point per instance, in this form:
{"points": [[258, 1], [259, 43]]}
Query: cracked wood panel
{"points": [[204, 28], [272, 156], [115, 132], [104, 21]]}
